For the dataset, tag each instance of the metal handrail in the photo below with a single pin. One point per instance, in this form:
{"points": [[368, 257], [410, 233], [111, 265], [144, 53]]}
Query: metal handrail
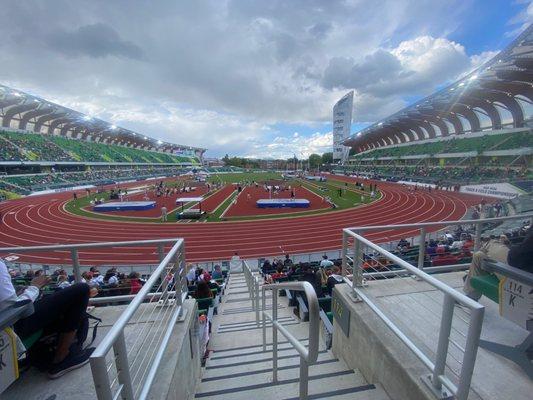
{"points": [[440, 223], [115, 338], [75, 247], [309, 354], [438, 378]]}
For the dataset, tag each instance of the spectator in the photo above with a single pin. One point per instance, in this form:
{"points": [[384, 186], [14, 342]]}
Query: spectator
{"points": [[333, 279], [287, 262], [235, 263], [61, 312], [521, 255], [203, 291], [494, 249], [217, 272], [191, 274], [110, 278], [62, 282], [135, 282], [325, 263]]}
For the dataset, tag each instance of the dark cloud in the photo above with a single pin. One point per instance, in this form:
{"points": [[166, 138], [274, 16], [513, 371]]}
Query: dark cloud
{"points": [[96, 40]]}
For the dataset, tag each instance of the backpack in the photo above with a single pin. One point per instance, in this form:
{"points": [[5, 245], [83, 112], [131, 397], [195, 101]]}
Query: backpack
{"points": [[41, 354]]}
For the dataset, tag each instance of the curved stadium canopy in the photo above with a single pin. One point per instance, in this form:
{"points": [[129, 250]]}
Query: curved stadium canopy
{"points": [[494, 96], [19, 110]]}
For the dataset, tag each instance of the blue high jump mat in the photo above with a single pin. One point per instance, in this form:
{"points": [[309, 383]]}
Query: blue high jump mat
{"points": [[125, 206], [283, 203]]}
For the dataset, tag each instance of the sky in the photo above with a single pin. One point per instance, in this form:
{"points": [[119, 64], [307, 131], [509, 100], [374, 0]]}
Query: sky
{"points": [[247, 78]]}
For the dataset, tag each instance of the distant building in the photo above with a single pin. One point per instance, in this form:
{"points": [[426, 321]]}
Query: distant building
{"points": [[342, 125]]}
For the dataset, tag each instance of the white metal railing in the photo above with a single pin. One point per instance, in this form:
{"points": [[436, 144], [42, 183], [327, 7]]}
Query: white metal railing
{"points": [[139, 344], [253, 283], [150, 317], [309, 354], [450, 371], [74, 250]]}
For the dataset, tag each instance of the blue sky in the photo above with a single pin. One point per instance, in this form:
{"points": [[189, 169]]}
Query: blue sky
{"points": [[249, 78]]}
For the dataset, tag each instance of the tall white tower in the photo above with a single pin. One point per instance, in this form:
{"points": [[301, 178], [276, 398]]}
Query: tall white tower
{"points": [[342, 125]]}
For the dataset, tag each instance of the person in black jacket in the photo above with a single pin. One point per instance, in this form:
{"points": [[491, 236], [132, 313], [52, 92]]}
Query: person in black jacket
{"points": [[521, 255]]}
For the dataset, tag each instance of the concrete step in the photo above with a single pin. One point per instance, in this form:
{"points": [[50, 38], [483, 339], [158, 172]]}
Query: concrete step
{"points": [[330, 378], [239, 368]]}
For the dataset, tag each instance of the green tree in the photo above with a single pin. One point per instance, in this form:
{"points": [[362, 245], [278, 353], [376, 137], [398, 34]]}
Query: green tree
{"points": [[327, 158], [315, 160]]}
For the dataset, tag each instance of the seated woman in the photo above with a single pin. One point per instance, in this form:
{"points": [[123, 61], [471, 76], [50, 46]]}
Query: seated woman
{"points": [[61, 312]]}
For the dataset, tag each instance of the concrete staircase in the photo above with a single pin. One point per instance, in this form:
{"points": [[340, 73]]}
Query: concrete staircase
{"points": [[239, 368]]}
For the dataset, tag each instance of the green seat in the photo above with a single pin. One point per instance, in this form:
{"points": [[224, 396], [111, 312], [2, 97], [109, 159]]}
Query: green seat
{"points": [[32, 339], [330, 316], [325, 303], [488, 284], [203, 305]]}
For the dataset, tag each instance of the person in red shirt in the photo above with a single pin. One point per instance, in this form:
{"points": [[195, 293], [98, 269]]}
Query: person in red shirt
{"points": [[135, 283]]}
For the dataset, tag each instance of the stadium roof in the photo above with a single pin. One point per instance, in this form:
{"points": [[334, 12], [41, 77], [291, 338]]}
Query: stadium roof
{"points": [[491, 97], [23, 111]]}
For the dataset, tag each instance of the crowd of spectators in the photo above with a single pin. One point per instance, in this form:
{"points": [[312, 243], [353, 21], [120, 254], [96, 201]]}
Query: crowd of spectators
{"points": [[442, 175], [18, 146], [24, 184], [109, 283]]}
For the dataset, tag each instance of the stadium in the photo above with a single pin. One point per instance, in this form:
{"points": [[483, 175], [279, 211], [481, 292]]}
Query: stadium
{"points": [[401, 270]]}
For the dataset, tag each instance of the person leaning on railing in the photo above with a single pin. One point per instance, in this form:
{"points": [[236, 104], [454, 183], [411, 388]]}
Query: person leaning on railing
{"points": [[496, 249], [61, 313]]}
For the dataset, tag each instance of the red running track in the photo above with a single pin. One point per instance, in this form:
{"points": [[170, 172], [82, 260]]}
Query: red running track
{"points": [[42, 220]]}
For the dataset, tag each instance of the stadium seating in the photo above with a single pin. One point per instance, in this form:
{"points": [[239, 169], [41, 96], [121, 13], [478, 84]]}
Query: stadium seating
{"points": [[25, 184], [456, 145], [18, 146]]}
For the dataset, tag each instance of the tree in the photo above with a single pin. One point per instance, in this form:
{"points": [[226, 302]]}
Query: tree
{"points": [[315, 160], [327, 158]]}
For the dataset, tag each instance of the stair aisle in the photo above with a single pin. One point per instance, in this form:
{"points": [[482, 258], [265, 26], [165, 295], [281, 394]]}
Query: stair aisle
{"points": [[238, 368]]}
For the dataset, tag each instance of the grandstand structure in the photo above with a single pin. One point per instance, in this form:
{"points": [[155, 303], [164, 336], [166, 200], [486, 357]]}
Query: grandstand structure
{"points": [[43, 145], [476, 129]]}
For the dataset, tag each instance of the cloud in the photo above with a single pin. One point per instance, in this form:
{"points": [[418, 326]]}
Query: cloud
{"points": [[300, 145], [384, 77], [95, 40], [224, 74]]}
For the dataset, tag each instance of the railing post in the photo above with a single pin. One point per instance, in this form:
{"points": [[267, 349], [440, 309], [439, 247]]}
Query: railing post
{"points": [[274, 335], [76, 264], [357, 280], [304, 379], [344, 255], [123, 370], [469, 357], [179, 267], [263, 308], [444, 336], [422, 249], [256, 290], [161, 251], [102, 385], [477, 242]]}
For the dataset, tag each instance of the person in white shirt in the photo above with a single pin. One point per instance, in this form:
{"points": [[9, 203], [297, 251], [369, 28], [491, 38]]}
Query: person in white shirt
{"points": [[325, 263], [62, 282], [235, 264], [191, 275], [60, 312]]}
